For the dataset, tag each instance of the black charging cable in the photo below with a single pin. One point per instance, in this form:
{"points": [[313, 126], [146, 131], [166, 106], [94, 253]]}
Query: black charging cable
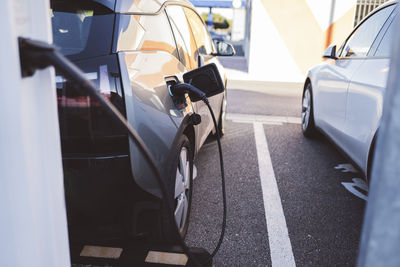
{"points": [[180, 90], [36, 55]]}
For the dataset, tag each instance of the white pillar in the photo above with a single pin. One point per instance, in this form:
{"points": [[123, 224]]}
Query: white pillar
{"points": [[33, 227], [269, 59]]}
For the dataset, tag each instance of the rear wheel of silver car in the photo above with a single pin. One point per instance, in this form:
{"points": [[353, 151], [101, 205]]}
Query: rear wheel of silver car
{"points": [[307, 113], [179, 185], [183, 190]]}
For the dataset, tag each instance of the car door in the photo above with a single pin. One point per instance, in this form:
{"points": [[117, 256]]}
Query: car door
{"points": [[148, 56], [204, 53], [365, 95], [335, 76], [190, 57]]}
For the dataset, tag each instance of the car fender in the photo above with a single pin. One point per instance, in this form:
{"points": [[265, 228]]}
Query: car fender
{"points": [[312, 77]]}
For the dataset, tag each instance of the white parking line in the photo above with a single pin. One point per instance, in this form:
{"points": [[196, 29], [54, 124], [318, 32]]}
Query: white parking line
{"points": [[274, 120], [346, 167], [278, 236], [357, 183]]}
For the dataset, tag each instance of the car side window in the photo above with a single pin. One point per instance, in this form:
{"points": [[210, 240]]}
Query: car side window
{"points": [[146, 33], [183, 36], [385, 46], [359, 43], [201, 35]]}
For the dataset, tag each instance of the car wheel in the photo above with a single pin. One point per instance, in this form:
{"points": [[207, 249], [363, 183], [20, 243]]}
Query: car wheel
{"points": [[307, 113], [183, 189], [182, 175]]}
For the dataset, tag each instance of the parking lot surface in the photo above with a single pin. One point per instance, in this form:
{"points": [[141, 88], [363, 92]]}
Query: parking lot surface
{"points": [[309, 219]]}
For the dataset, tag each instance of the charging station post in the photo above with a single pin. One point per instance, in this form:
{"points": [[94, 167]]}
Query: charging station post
{"points": [[33, 226]]}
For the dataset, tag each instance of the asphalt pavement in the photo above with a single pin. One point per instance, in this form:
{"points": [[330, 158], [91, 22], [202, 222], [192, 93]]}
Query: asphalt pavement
{"points": [[321, 218]]}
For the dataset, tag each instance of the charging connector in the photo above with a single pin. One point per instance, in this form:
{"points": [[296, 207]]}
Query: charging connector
{"points": [[180, 89]]}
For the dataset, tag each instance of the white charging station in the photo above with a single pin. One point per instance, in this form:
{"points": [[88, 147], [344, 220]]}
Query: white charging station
{"points": [[33, 225]]}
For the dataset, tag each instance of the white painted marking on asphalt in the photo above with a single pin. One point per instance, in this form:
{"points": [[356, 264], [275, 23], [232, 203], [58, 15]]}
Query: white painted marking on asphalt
{"points": [[278, 236], [251, 118], [101, 252], [166, 258], [194, 172], [346, 168], [360, 183], [264, 122]]}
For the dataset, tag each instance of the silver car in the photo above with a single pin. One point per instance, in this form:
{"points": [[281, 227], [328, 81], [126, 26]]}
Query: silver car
{"points": [[343, 96], [132, 50]]}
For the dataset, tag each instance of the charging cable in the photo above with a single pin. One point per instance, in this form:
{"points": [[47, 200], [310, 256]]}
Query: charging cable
{"points": [[180, 90], [36, 55]]}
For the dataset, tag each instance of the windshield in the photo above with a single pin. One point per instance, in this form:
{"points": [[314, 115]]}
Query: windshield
{"points": [[82, 29]]}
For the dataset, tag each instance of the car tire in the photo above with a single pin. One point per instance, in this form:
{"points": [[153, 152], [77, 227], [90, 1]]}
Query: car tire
{"points": [[307, 113], [180, 190]]}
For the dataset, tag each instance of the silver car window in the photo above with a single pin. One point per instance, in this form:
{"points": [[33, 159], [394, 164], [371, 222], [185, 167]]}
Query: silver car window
{"points": [[200, 33], [183, 36], [359, 43], [385, 47]]}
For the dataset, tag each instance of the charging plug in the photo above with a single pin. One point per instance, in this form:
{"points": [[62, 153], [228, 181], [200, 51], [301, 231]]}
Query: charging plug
{"points": [[178, 99], [195, 94]]}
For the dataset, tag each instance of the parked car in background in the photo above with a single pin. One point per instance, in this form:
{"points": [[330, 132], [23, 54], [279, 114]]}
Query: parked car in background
{"points": [[217, 37], [343, 96], [132, 50]]}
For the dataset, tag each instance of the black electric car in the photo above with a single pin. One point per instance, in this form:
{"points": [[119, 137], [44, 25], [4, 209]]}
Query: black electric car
{"points": [[133, 51]]}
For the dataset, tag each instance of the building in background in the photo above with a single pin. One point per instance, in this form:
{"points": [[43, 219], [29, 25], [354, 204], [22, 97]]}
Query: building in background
{"points": [[282, 39], [364, 7]]}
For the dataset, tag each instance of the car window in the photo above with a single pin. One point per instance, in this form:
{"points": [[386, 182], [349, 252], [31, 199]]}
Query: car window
{"points": [[77, 27], [183, 36], [385, 46], [359, 43], [145, 33], [201, 35]]}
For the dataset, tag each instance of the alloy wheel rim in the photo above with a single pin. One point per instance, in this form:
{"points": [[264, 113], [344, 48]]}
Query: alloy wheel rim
{"points": [[182, 186], [306, 109]]}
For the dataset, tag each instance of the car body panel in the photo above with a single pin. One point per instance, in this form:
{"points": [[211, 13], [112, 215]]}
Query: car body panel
{"points": [[332, 83], [148, 56], [364, 108], [85, 130], [150, 110]]}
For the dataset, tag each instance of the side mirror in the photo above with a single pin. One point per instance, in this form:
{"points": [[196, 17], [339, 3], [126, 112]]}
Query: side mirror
{"points": [[330, 52], [207, 79], [224, 49]]}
